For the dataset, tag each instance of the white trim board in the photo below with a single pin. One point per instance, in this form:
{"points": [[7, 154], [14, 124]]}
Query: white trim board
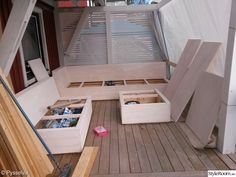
{"points": [[14, 31], [227, 131]]}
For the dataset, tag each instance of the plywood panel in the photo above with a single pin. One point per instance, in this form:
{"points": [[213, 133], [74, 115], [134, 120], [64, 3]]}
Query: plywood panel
{"points": [[205, 106], [184, 61], [35, 99], [201, 61], [38, 69], [153, 70]]}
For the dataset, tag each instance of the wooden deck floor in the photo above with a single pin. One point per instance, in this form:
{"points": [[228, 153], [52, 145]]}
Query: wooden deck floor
{"points": [[145, 150]]}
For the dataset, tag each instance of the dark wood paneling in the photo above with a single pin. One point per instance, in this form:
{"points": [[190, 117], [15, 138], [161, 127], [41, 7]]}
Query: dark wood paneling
{"points": [[50, 32]]}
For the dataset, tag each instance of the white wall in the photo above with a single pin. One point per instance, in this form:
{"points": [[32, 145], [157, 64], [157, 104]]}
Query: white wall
{"points": [[204, 19]]}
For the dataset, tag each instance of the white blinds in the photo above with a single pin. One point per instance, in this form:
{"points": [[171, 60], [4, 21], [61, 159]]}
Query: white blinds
{"points": [[97, 36], [133, 39], [90, 45]]}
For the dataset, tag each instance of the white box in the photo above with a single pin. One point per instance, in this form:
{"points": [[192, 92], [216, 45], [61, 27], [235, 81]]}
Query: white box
{"points": [[154, 107]]}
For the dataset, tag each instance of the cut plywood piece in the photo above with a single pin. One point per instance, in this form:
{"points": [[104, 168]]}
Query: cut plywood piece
{"points": [[186, 58], [38, 69], [131, 71], [14, 31], [186, 87], [205, 106], [85, 163], [40, 96]]}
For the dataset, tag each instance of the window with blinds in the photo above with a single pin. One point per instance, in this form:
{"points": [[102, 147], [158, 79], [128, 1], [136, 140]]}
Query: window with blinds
{"points": [[101, 37], [133, 39]]}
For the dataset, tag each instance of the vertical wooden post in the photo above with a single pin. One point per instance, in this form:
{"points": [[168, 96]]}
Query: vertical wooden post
{"points": [[14, 31], [227, 131]]}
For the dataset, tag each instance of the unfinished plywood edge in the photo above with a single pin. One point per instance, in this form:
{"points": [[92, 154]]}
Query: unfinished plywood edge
{"points": [[85, 163]]}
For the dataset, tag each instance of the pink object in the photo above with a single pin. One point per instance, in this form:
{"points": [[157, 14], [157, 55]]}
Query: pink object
{"points": [[100, 131]]}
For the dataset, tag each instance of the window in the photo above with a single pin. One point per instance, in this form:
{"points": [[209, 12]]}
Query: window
{"points": [[33, 46]]}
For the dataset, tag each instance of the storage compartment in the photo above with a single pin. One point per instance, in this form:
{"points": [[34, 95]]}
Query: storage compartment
{"points": [[144, 107], [114, 83], [92, 84], [156, 81], [135, 82], [74, 84], [64, 131], [104, 82]]}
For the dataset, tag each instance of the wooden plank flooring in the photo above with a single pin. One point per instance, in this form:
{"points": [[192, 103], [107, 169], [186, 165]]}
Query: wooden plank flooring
{"points": [[145, 149]]}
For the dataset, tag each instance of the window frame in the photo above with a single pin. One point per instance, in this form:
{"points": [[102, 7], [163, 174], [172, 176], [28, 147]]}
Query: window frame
{"points": [[43, 44]]}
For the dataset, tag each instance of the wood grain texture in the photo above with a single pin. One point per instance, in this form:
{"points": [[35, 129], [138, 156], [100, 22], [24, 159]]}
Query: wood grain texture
{"points": [[162, 154], [157, 148], [205, 106], [85, 163], [201, 61], [161, 174], [181, 68], [20, 140], [114, 141], [105, 150]]}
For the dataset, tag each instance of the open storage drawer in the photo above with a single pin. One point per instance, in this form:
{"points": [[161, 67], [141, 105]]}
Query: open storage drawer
{"points": [[66, 139], [148, 106], [35, 100]]}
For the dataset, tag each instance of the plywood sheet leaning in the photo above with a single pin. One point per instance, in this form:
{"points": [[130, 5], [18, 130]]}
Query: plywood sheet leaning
{"points": [[205, 106], [38, 69], [28, 153], [186, 87], [185, 59]]}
